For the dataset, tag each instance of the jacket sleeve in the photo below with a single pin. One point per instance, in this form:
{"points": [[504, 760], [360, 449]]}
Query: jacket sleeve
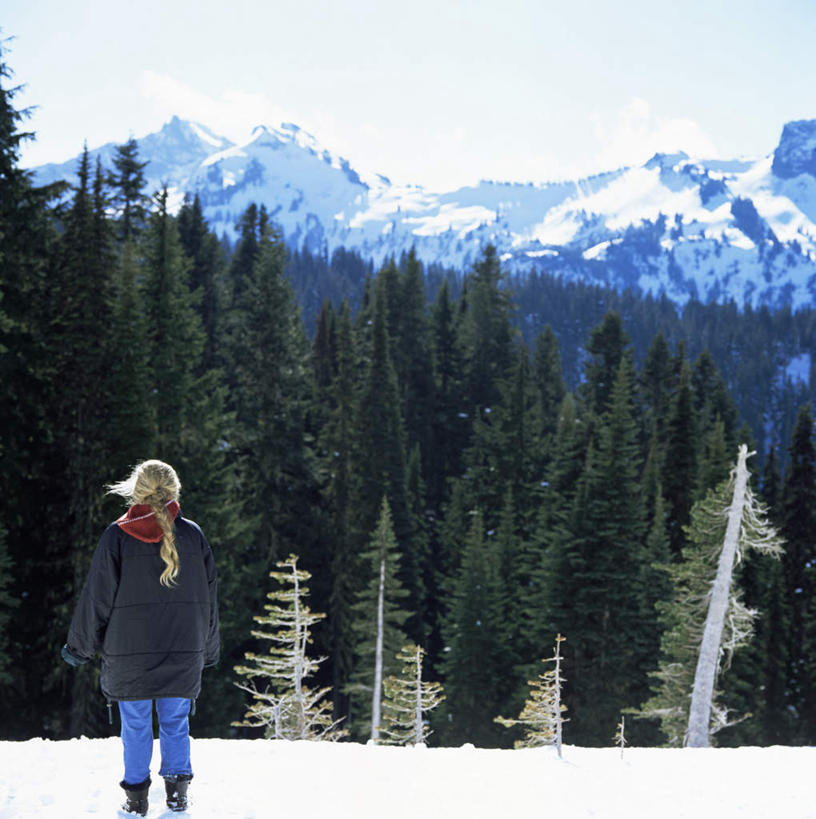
{"points": [[95, 603], [212, 649]]}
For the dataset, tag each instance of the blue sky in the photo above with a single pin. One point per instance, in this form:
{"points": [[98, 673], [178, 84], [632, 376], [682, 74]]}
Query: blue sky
{"points": [[434, 92]]}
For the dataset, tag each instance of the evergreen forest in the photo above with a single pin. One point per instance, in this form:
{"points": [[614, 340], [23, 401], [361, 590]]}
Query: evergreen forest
{"points": [[539, 447]]}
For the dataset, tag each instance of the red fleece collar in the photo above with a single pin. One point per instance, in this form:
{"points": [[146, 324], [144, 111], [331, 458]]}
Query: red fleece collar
{"points": [[140, 521]]}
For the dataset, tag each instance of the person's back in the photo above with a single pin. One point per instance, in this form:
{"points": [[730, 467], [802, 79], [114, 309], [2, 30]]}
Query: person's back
{"points": [[149, 605]]}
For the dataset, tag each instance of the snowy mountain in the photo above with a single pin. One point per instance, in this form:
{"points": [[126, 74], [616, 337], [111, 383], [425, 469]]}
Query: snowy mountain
{"points": [[710, 229], [264, 779]]}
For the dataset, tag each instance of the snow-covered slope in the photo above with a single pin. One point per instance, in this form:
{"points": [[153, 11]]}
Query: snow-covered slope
{"points": [[710, 229], [261, 779]]}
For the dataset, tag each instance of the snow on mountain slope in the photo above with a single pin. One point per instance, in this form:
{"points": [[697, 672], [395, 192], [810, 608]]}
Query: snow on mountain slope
{"points": [[264, 779], [713, 230]]}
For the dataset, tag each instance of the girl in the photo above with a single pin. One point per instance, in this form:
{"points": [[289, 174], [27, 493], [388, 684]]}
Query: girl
{"points": [[149, 605]]}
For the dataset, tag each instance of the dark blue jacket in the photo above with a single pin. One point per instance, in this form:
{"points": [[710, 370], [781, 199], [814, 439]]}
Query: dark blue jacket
{"points": [[154, 639]]}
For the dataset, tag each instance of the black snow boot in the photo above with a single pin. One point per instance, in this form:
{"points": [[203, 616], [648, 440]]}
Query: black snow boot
{"points": [[136, 797], [176, 787]]}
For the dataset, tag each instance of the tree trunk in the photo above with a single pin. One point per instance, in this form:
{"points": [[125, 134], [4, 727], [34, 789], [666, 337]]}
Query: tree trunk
{"points": [[418, 717], [300, 654], [378, 659], [707, 662]]}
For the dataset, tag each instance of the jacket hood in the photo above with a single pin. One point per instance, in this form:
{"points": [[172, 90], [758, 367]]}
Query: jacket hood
{"points": [[140, 521]]}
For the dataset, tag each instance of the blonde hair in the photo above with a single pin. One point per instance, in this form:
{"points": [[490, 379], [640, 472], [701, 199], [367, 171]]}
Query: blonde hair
{"points": [[155, 484]]}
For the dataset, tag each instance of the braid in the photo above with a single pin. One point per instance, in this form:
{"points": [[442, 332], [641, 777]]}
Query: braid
{"points": [[168, 552], [155, 483]]}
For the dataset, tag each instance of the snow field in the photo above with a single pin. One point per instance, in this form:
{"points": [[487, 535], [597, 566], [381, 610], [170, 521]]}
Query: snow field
{"points": [[255, 779]]}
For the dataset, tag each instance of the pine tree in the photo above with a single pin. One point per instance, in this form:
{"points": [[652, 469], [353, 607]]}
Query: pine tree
{"points": [[378, 626], [695, 620], [714, 463], [606, 346], [486, 331], [83, 293], [246, 254], [450, 424], [133, 412], [191, 419], [549, 381], [546, 555], [379, 464], [656, 387], [679, 475], [542, 714], [128, 183], [286, 707], [711, 399], [412, 360], [175, 337], [748, 529], [337, 438], [324, 354], [28, 402], [420, 568], [444, 561], [766, 689], [406, 700], [518, 440], [798, 527], [603, 569], [267, 354], [475, 664], [206, 267]]}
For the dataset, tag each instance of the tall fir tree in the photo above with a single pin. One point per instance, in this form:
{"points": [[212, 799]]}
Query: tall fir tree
{"points": [[267, 353], [450, 423], [128, 181], [605, 561], [545, 555], [798, 526], [606, 346], [421, 568], [83, 293], [379, 463], [379, 618], [656, 388], [772, 721], [486, 331], [131, 376], [476, 663], [549, 381], [705, 599], [191, 418], [412, 360], [337, 442], [29, 461], [205, 278], [679, 469]]}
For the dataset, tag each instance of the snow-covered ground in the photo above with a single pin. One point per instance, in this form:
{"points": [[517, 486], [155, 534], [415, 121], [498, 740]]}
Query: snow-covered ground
{"points": [[255, 779]]}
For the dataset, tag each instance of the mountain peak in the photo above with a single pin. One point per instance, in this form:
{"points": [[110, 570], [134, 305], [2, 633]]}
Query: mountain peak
{"points": [[666, 161], [796, 152], [183, 132]]}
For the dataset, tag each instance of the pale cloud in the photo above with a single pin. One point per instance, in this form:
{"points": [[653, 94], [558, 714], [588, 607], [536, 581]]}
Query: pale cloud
{"points": [[438, 157], [636, 134], [233, 114]]}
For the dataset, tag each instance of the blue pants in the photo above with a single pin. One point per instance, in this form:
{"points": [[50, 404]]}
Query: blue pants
{"points": [[137, 737]]}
